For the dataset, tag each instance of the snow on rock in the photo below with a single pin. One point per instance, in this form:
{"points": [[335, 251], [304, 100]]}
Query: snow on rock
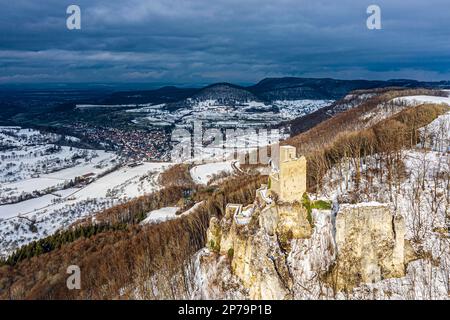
{"points": [[370, 244], [423, 281], [207, 272], [421, 199], [392, 244]]}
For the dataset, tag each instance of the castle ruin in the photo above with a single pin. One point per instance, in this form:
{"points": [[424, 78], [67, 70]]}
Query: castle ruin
{"points": [[288, 177]]}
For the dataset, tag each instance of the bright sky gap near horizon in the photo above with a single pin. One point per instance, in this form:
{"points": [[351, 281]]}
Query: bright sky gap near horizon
{"points": [[201, 41]]}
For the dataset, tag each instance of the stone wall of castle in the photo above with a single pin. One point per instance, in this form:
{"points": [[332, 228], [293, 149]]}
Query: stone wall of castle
{"points": [[289, 180], [292, 180]]}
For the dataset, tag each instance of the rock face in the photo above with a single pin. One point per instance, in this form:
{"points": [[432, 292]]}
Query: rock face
{"points": [[370, 245], [256, 245], [286, 221], [259, 263], [273, 251]]}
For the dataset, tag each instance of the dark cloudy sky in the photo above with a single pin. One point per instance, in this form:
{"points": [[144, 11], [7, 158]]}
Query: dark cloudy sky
{"points": [[202, 41]]}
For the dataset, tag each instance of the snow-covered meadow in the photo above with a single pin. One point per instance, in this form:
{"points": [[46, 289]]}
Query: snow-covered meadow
{"points": [[215, 114], [202, 174], [45, 187], [168, 213], [32, 164]]}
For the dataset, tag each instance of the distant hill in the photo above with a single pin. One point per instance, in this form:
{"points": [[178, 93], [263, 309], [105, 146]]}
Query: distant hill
{"points": [[310, 88], [53, 107], [269, 89], [225, 92], [162, 95]]}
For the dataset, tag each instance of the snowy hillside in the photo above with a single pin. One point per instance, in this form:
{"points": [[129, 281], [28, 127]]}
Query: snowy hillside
{"points": [[214, 113], [436, 135]]}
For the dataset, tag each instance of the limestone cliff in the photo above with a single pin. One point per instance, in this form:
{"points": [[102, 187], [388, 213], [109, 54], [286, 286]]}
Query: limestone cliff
{"points": [[274, 252], [370, 243], [256, 244]]}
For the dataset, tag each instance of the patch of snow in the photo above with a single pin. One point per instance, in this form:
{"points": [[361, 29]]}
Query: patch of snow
{"points": [[202, 174], [161, 215], [416, 100]]}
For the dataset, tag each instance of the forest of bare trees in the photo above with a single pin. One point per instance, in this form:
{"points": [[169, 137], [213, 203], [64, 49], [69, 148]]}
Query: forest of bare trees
{"points": [[114, 260]]}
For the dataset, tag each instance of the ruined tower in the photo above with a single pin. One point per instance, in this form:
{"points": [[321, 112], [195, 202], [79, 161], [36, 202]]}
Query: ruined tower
{"points": [[288, 176]]}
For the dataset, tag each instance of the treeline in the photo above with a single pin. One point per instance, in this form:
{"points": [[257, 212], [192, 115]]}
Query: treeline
{"points": [[385, 139], [57, 240], [350, 120], [349, 135]]}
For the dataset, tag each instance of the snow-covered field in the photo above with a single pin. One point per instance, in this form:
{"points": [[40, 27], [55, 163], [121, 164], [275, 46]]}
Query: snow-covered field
{"points": [[161, 215], [101, 162], [32, 164], [214, 114], [125, 182], [60, 209], [202, 174], [37, 200]]}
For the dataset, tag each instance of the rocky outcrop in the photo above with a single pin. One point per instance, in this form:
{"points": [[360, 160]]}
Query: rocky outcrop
{"points": [[370, 242], [255, 239], [275, 252], [286, 221], [255, 256]]}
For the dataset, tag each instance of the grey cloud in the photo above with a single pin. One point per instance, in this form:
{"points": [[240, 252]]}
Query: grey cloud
{"points": [[198, 41]]}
